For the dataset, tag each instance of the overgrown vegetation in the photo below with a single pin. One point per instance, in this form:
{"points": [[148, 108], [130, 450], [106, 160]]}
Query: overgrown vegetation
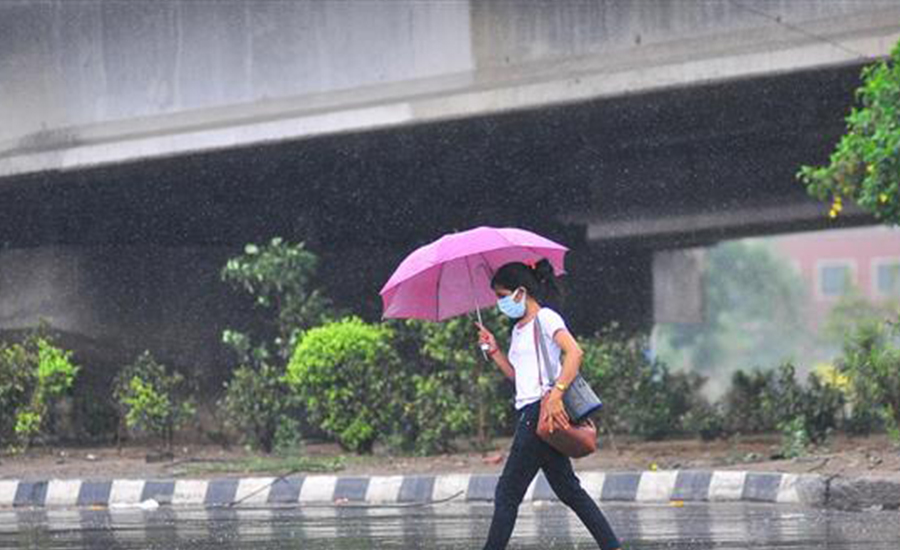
{"points": [[34, 375], [422, 387], [865, 165], [413, 386], [425, 387]]}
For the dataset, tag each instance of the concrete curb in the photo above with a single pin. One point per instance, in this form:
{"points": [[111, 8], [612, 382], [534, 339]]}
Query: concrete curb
{"points": [[864, 493], [663, 486]]}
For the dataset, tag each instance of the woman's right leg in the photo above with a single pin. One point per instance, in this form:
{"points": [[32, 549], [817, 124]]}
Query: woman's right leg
{"points": [[521, 467]]}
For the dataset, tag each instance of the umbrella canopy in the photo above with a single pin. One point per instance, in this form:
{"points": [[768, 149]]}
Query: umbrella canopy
{"points": [[452, 275]]}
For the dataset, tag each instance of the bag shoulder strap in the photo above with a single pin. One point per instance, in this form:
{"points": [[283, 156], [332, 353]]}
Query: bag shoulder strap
{"points": [[541, 349]]}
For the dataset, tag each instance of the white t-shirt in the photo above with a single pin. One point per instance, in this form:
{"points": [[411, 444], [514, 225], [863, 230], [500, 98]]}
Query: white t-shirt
{"points": [[524, 357]]}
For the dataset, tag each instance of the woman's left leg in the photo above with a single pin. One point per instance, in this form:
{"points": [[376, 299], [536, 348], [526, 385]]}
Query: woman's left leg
{"points": [[521, 467], [558, 470]]}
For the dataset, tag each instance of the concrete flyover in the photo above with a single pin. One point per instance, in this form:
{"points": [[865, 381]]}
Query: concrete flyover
{"points": [[623, 128], [91, 83]]}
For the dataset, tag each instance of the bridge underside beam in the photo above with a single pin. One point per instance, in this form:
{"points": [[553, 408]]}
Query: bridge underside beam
{"points": [[665, 230], [679, 163], [615, 179]]}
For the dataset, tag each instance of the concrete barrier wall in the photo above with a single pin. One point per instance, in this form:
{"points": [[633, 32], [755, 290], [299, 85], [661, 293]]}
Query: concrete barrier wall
{"points": [[167, 300]]}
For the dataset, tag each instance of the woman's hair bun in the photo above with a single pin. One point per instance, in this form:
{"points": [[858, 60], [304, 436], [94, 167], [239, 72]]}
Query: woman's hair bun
{"points": [[543, 270]]}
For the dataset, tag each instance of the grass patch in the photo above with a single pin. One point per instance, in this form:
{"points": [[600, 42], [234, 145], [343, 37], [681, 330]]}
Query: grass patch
{"points": [[265, 464]]}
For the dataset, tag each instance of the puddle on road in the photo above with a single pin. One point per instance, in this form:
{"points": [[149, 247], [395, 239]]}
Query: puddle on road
{"points": [[446, 527]]}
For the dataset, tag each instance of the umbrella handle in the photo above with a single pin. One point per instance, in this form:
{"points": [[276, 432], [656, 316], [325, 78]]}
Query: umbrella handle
{"points": [[484, 347]]}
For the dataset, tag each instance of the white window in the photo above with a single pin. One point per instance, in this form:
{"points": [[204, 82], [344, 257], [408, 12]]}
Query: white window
{"points": [[835, 278], [886, 277]]}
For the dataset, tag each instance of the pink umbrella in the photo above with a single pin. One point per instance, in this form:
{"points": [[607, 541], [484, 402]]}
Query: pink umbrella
{"points": [[452, 275]]}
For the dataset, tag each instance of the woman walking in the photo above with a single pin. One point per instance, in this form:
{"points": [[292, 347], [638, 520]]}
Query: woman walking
{"points": [[522, 291]]}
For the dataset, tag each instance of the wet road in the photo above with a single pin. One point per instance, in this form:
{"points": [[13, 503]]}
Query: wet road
{"points": [[449, 527]]}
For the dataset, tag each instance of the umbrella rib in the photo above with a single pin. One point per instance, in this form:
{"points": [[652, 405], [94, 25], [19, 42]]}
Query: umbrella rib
{"points": [[437, 294], [487, 264]]}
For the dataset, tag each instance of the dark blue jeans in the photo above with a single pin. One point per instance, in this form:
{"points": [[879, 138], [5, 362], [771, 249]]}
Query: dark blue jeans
{"points": [[529, 454]]}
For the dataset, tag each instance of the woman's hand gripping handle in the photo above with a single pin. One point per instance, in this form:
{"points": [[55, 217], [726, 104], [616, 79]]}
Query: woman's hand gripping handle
{"points": [[488, 344]]}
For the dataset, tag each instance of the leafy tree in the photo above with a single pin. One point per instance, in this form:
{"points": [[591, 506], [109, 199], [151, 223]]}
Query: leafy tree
{"points": [[152, 398], [865, 166], [33, 375], [280, 277]]}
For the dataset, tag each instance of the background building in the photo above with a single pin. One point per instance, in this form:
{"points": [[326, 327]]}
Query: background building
{"points": [[834, 264]]}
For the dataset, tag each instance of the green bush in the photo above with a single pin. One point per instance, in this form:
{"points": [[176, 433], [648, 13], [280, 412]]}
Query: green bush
{"points": [[746, 403], [350, 381], [871, 359], [153, 401], [821, 409], [804, 414], [34, 374], [641, 396], [16, 386], [456, 392], [55, 376], [784, 398], [706, 421], [438, 415], [775, 400], [257, 404], [864, 417], [794, 437]]}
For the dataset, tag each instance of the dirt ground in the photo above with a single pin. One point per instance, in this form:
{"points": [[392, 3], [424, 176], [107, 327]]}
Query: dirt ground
{"points": [[843, 456]]}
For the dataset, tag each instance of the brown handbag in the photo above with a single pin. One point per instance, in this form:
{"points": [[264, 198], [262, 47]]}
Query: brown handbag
{"points": [[576, 441]]}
